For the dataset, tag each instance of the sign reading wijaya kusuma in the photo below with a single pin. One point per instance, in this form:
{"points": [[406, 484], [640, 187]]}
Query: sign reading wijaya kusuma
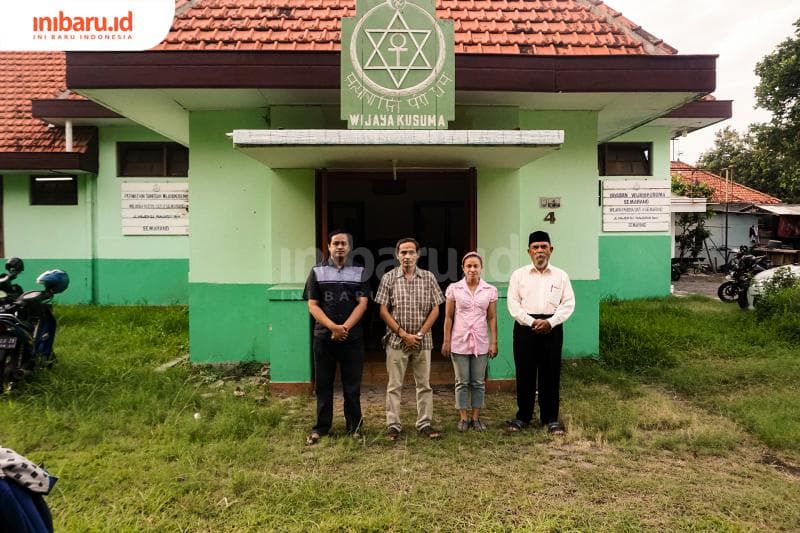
{"points": [[636, 205], [398, 66], [155, 208]]}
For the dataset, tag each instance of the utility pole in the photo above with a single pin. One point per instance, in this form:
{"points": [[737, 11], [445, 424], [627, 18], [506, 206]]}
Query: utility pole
{"points": [[728, 171]]}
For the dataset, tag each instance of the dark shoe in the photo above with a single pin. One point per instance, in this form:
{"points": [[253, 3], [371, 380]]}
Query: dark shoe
{"points": [[429, 432], [313, 438], [463, 425], [477, 425], [556, 428], [392, 433], [514, 426]]}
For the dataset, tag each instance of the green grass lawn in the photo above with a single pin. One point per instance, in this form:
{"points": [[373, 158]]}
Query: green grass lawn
{"points": [[701, 436], [718, 356]]}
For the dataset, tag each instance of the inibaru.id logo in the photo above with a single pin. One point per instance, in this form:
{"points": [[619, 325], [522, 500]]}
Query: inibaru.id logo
{"points": [[66, 23]]}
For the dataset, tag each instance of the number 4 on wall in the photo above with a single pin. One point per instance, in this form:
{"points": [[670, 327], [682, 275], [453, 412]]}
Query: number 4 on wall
{"points": [[550, 217]]}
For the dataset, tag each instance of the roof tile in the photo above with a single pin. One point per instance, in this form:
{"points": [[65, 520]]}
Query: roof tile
{"points": [[571, 27], [26, 76], [734, 192]]}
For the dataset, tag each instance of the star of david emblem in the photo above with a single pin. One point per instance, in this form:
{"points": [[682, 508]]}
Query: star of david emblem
{"points": [[397, 42]]}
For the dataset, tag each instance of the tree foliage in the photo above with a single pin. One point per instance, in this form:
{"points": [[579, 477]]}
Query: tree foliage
{"points": [[692, 232], [767, 156]]}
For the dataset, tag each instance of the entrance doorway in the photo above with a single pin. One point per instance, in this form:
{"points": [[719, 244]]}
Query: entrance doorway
{"points": [[436, 207]]}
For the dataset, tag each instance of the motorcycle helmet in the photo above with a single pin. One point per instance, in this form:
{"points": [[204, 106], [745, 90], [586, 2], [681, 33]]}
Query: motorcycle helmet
{"points": [[55, 281], [15, 265]]}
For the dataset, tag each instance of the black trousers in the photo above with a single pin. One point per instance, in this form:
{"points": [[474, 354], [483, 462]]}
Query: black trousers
{"points": [[350, 358], [537, 359]]}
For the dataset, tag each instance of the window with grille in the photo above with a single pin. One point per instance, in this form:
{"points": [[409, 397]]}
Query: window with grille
{"points": [[152, 160], [625, 159]]}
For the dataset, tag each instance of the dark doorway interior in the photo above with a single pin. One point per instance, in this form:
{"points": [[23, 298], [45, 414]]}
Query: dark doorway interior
{"points": [[378, 208]]}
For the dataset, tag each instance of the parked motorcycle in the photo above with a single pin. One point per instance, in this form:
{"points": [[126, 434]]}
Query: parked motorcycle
{"points": [[10, 291], [27, 330], [743, 267]]}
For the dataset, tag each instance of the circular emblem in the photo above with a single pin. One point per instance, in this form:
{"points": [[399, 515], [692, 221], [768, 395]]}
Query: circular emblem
{"points": [[397, 49]]}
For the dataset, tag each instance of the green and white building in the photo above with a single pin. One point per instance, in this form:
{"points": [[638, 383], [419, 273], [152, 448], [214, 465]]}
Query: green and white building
{"points": [[210, 169]]}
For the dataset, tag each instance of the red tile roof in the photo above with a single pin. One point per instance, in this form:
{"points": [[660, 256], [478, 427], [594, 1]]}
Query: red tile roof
{"points": [[26, 76], [536, 27], [736, 192]]}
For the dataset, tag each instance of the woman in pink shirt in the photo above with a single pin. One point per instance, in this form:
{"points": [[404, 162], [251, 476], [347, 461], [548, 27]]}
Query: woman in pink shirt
{"points": [[470, 338]]}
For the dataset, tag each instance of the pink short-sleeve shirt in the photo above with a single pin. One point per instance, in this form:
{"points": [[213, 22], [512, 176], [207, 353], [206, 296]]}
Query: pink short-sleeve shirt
{"points": [[470, 333]]}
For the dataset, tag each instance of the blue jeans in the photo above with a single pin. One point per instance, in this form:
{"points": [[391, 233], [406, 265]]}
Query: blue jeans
{"points": [[470, 380]]}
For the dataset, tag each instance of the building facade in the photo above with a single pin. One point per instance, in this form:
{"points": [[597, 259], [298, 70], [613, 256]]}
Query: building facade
{"points": [[222, 157]]}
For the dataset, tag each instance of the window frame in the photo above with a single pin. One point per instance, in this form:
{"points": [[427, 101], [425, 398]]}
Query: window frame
{"points": [[603, 151], [166, 149], [35, 195]]}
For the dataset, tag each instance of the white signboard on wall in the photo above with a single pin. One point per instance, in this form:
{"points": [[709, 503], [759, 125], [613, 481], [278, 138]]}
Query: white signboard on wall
{"points": [[155, 208], [636, 205]]}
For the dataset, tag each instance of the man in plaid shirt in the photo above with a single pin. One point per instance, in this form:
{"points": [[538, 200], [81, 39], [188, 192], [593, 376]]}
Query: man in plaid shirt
{"points": [[409, 298]]}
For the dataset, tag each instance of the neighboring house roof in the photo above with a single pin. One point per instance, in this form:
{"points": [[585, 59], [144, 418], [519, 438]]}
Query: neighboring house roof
{"points": [[736, 193], [26, 76], [530, 27]]}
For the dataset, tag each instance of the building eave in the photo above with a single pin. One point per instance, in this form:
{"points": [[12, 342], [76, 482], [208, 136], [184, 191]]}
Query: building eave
{"points": [[48, 162], [320, 70]]}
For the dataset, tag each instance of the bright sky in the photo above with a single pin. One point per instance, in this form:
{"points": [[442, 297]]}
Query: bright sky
{"points": [[741, 32]]}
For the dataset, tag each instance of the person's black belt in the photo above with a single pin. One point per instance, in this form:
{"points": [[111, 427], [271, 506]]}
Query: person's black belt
{"points": [[539, 317]]}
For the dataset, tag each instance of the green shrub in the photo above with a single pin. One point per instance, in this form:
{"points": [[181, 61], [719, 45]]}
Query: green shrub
{"points": [[779, 304]]}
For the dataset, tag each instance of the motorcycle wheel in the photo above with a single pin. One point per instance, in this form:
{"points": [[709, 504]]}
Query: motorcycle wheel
{"points": [[728, 292]]}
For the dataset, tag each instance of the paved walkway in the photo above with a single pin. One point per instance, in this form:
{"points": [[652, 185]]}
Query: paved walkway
{"points": [[705, 284]]}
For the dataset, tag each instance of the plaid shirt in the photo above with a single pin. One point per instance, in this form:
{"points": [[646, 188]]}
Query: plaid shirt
{"points": [[410, 302]]}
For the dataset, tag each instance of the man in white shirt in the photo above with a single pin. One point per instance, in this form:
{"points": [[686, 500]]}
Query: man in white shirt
{"points": [[540, 298]]}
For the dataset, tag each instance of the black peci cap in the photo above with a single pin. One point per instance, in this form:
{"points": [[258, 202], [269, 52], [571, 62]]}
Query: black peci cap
{"points": [[538, 236]]}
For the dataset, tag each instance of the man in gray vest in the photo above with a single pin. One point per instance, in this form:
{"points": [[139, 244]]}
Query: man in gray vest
{"points": [[337, 294]]}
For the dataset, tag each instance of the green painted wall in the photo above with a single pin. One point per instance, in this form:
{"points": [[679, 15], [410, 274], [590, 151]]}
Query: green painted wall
{"points": [[80, 276], [86, 240], [150, 282], [229, 243], [118, 281], [569, 173], [257, 229], [110, 243], [635, 266], [289, 333], [228, 322], [44, 231], [292, 237]]}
